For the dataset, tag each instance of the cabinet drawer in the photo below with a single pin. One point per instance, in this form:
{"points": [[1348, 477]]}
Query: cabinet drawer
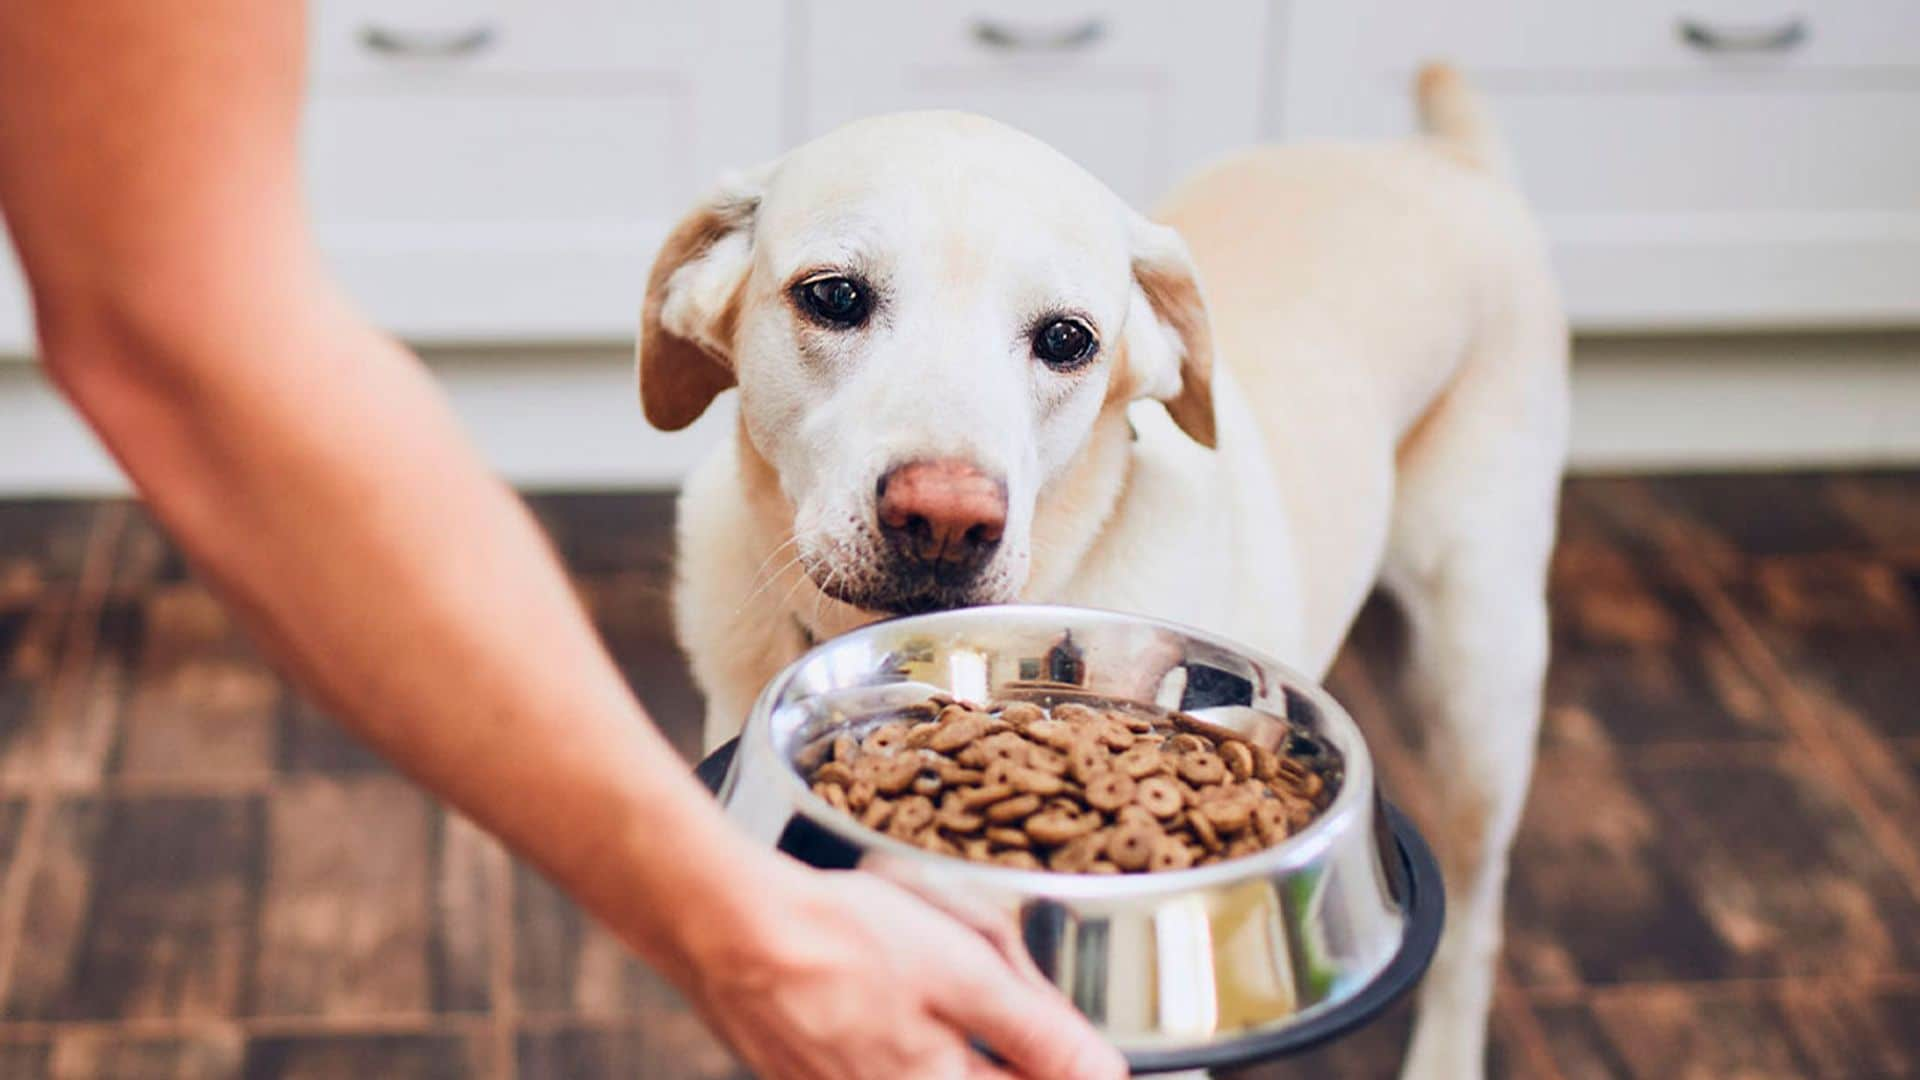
{"points": [[503, 171], [393, 42], [1670, 36], [1680, 187], [1137, 91]]}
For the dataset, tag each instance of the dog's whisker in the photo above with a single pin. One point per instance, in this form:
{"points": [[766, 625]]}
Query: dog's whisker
{"points": [[784, 545], [799, 583], [765, 583], [770, 580], [742, 611], [771, 555], [820, 594]]}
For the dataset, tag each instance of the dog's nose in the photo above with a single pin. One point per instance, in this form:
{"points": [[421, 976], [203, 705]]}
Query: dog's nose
{"points": [[946, 515]]}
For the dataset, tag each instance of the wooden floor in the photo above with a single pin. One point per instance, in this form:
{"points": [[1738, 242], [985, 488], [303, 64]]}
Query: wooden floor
{"points": [[1719, 873]]}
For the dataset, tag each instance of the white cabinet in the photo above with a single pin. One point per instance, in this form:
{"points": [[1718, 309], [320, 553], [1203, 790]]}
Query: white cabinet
{"points": [[1702, 164], [503, 169], [1137, 91]]}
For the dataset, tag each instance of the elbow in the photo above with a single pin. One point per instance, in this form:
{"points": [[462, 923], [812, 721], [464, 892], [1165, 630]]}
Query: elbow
{"points": [[167, 335], [132, 376], [101, 367]]}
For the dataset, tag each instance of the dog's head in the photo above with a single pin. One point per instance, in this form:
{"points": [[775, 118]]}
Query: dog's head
{"points": [[925, 314]]}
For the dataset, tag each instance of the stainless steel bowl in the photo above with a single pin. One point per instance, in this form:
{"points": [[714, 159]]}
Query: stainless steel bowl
{"points": [[1201, 967]]}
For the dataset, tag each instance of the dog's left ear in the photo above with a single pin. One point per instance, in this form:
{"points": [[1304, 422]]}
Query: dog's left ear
{"points": [[1169, 338], [685, 349]]}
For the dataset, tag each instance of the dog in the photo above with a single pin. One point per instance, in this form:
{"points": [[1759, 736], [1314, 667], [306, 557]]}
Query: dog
{"points": [[969, 374]]}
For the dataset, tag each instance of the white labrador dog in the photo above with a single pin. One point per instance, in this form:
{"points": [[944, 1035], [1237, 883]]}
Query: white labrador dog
{"points": [[969, 374]]}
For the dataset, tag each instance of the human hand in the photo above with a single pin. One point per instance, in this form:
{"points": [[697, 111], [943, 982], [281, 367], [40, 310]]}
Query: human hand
{"points": [[851, 976]]}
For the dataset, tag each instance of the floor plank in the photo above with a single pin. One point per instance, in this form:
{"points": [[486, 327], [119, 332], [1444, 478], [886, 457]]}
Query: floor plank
{"points": [[566, 965], [1764, 514], [91, 1053], [632, 614], [12, 814], [463, 937], [350, 1056], [1782, 870], [1847, 630], [33, 642], [345, 905], [1699, 870], [310, 741], [1590, 897], [53, 912], [43, 542], [84, 714], [1642, 664], [1677, 1034], [1883, 506], [26, 1060], [142, 908], [609, 534], [567, 1053], [203, 705]]}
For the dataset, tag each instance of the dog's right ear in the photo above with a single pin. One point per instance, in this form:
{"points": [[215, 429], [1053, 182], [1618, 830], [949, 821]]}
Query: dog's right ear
{"points": [[685, 349]]}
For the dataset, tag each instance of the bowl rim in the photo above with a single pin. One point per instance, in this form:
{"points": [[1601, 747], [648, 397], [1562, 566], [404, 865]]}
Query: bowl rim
{"points": [[1347, 814]]}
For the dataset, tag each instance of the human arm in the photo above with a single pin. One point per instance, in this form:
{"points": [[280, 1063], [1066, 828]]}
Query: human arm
{"points": [[316, 478]]}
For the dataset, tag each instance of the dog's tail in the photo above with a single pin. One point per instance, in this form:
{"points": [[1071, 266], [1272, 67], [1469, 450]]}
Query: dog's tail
{"points": [[1453, 114]]}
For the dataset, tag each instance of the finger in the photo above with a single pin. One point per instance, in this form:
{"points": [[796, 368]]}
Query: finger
{"points": [[1005, 937], [1036, 1032], [977, 913]]}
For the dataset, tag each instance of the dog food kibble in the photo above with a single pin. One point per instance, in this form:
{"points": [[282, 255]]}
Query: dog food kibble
{"points": [[1131, 846], [1239, 759], [1018, 808], [912, 814], [1202, 767], [1075, 788], [1108, 790], [1159, 796]]}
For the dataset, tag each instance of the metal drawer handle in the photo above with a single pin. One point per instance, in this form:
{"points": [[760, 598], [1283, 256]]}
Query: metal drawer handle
{"points": [[437, 45], [1709, 38], [1016, 38]]}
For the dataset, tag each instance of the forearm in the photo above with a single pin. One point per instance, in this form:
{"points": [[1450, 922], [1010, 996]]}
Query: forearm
{"points": [[312, 472]]}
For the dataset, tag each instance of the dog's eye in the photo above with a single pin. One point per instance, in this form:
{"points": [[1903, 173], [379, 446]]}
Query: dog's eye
{"points": [[1064, 344], [834, 301]]}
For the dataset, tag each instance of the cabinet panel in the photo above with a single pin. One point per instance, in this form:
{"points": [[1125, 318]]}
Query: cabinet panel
{"points": [[1137, 91]]}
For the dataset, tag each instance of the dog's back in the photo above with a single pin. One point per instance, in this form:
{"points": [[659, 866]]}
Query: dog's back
{"points": [[1349, 285]]}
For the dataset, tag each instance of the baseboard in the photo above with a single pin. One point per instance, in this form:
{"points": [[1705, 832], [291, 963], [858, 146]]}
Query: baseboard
{"points": [[547, 419], [567, 418], [1746, 401]]}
